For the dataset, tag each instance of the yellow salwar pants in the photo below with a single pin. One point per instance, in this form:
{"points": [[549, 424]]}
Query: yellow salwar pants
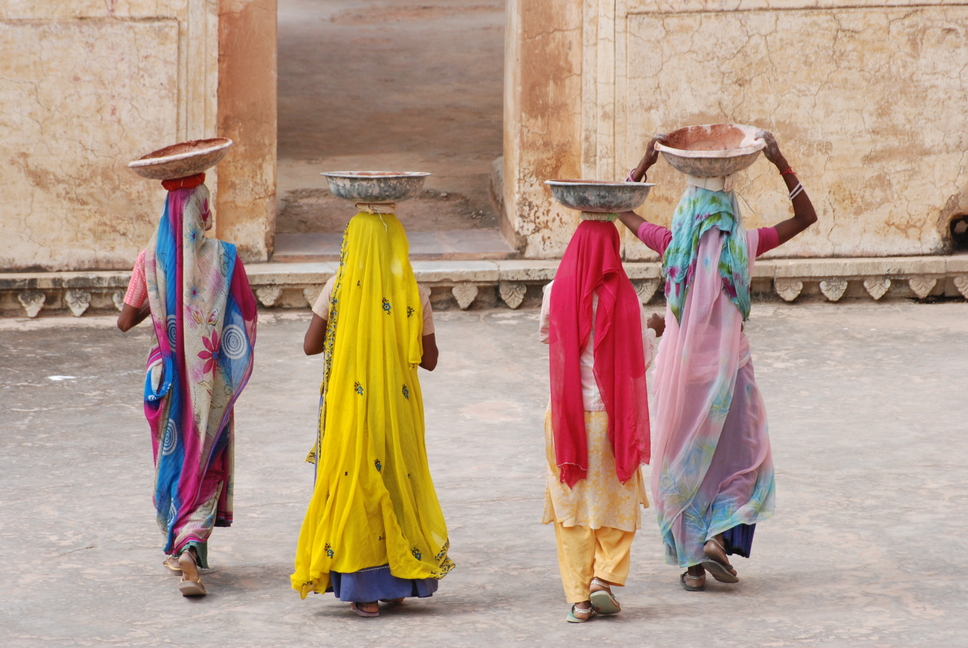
{"points": [[585, 553]]}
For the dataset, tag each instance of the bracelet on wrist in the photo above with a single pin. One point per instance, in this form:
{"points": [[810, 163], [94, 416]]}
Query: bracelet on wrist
{"points": [[789, 171]]}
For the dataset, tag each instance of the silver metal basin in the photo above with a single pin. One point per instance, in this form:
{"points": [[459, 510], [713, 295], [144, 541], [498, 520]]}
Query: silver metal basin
{"points": [[598, 196], [375, 186]]}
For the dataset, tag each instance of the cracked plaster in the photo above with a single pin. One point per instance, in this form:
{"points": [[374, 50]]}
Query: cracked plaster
{"points": [[88, 85], [866, 101]]}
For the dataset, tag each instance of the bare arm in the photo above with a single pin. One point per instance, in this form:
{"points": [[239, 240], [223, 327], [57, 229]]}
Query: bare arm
{"points": [[640, 174], [804, 214], [131, 316], [315, 338], [430, 352]]}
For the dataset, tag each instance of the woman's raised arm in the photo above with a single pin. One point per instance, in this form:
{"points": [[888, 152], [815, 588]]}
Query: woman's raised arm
{"points": [[804, 214]]}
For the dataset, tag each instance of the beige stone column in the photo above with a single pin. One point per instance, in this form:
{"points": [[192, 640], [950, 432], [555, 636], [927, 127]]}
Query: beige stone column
{"points": [[246, 206], [542, 119]]}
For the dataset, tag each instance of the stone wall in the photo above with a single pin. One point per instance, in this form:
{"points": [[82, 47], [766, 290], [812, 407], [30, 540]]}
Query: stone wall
{"points": [[89, 85], [866, 101]]}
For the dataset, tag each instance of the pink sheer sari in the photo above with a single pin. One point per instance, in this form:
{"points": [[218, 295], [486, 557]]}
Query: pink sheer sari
{"points": [[712, 466]]}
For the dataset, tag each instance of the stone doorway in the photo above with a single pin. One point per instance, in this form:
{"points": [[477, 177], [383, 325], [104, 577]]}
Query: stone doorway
{"points": [[391, 85]]}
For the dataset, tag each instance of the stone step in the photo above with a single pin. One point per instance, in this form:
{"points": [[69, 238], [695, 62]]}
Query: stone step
{"points": [[514, 283], [451, 245]]}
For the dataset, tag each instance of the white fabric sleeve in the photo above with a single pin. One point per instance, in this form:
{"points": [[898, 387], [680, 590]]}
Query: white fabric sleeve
{"points": [[543, 328], [321, 307], [428, 311]]}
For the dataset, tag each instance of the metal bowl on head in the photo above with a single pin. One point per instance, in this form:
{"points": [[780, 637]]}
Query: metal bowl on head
{"points": [[181, 160], [598, 196], [375, 186], [712, 150]]}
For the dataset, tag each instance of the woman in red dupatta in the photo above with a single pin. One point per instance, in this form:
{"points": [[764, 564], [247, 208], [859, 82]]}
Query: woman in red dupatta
{"points": [[597, 425]]}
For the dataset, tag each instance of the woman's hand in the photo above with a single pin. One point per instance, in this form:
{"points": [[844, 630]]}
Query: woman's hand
{"points": [[657, 323], [772, 150], [651, 157]]}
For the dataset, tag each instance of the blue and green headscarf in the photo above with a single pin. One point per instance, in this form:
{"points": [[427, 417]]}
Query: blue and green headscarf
{"points": [[699, 211]]}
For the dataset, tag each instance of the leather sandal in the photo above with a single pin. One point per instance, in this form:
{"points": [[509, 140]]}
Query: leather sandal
{"points": [[191, 582], [358, 608], [716, 562], [698, 583]]}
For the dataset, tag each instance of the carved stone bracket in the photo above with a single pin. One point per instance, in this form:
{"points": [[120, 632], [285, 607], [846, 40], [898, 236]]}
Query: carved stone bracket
{"points": [[32, 301], [877, 286], [118, 298], [961, 283], [311, 295], [268, 295], [77, 301], [512, 293], [788, 289], [921, 286], [464, 293], [646, 289], [833, 289]]}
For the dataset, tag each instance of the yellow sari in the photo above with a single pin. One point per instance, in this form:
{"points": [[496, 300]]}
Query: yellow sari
{"points": [[374, 502]]}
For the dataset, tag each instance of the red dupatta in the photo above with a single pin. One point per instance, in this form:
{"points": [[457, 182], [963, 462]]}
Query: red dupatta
{"points": [[591, 264]]}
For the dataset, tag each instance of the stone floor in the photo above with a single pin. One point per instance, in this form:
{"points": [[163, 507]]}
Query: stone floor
{"points": [[390, 85], [450, 245], [869, 426]]}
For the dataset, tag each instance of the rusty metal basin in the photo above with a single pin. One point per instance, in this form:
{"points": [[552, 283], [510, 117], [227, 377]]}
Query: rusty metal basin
{"points": [[712, 150], [375, 186], [598, 196]]}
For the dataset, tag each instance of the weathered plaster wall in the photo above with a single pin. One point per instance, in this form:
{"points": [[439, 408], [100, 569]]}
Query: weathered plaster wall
{"points": [[247, 94], [542, 118], [85, 87], [866, 101]]}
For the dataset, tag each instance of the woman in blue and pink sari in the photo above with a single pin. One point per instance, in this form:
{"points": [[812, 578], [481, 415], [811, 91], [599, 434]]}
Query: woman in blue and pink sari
{"points": [[712, 469], [204, 318]]}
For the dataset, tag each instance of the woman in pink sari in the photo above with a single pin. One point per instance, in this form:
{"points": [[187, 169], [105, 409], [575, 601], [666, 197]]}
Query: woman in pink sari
{"points": [[712, 470], [204, 317]]}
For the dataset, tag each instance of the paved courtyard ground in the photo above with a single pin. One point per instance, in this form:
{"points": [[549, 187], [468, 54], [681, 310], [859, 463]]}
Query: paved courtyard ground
{"points": [[868, 418], [394, 85]]}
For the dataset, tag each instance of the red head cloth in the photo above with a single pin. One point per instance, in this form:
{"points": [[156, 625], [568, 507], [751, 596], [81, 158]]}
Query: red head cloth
{"points": [[591, 265], [188, 182]]}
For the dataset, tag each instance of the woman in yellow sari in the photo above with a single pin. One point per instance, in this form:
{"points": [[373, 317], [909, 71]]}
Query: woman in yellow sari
{"points": [[374, 529]]}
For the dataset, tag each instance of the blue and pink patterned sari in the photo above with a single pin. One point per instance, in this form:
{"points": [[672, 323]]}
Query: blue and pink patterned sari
{"points": [[204, 317]]}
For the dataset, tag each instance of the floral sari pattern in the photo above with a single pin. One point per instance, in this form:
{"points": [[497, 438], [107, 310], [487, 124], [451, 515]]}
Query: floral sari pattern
{"points": [[204, 317]]}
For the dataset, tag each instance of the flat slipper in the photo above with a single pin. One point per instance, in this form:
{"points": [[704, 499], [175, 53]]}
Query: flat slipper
{"points": [[573, 618], [604, 602], [719, 571], [191, 588], [396, 601], [363, 613], [692, 588], [171, 562]]}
